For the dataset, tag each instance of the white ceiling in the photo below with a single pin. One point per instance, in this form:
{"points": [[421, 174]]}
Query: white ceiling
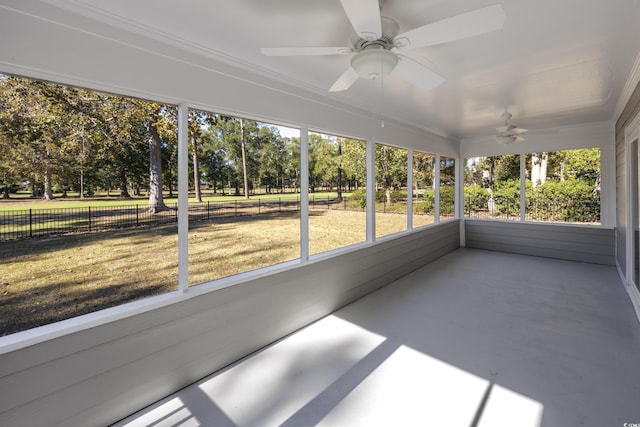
{"points": [[555, 62]]}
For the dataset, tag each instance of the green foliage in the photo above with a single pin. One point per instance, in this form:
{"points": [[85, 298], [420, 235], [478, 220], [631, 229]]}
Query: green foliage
{"points": [[447, 200], [475, 198], [359, 196], [571, 200], [423, 169], [507, 167], [427, 205], [506, 196], [395, 196], [391, 166]]}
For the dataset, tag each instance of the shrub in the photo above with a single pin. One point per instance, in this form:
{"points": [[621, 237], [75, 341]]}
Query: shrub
{"points": [[447, 200], [506, 197], [427, 204], [476, 198], [571, 200], [358, 198], [395, 195]]}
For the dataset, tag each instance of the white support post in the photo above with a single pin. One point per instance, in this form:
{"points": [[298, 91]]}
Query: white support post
{"points": [[183, 198], [436, 190], [523, 187], [459, 189], [459, 198], [371, 190], [304, 194], [410, 189]]}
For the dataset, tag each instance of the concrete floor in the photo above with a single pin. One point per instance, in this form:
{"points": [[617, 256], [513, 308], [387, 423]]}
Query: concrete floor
{"points": [[476, 338]]}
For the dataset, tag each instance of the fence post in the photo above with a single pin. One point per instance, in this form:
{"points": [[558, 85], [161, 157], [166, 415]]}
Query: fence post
{"points": [[327, 202], [30, 222], [235, 203], [279, 204], [137, 217], [89, 215], [208, 210], [258, 206]]}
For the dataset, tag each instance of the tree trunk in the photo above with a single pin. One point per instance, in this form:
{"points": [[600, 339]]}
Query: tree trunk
{"points": [[124, 190], [539, 168], [48, 192], [196, 170], [244, 160], [6, 192], [156, 200]]}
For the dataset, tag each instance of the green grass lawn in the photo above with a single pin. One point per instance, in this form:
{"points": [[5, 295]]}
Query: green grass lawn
{"points": [[45, 280]]}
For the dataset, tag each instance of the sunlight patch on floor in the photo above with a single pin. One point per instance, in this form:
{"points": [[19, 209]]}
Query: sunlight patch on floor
{"points": [[411, 388]]}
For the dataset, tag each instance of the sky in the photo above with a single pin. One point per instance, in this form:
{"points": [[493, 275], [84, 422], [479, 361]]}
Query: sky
{"points": [[288, 132]]}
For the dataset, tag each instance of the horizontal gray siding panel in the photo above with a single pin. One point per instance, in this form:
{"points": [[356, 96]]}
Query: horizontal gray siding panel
{"points": [[99, 375], [575, 243]]}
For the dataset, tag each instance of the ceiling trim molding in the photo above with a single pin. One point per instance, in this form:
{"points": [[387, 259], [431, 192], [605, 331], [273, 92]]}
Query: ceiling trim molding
{"points": [[632, 82]]}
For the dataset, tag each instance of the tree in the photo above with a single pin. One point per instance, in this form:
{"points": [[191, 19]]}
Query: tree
{"points": [[272, 158], [197, 122], [322, 160], [9, 173], [539, 167], [423, 170], [156, 198], [354, 155], [391, 168], [32, 118]]}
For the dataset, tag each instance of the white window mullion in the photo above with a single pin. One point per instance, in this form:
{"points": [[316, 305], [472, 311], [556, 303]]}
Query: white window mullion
{"points": [[371, 190], [410, 189], [523, 186], [459, 198], [183, 197], [458, 189], [436, 190], [304, 194]]}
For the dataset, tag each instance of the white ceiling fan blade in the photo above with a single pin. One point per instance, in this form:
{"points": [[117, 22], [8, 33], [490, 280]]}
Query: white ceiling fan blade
{"points": [[365, 17], [510, 130], [505, 139], [469, 24], [345, 81], [305, 51], [416, 74], [517, 131]]}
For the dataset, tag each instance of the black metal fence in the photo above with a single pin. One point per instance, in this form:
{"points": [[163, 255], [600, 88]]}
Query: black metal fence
{"points": [[26, 223], [556, 209]]}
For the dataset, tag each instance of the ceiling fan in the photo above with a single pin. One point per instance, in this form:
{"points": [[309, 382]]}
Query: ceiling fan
{"points": [[375, 54], [508, 133]]}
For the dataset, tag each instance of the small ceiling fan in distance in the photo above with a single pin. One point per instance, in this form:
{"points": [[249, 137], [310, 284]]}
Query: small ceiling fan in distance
{"points": [[508, 133], [377, 51]]}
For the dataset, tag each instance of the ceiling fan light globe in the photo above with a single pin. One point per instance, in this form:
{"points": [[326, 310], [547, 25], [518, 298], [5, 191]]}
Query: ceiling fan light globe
{"points": [[374, 63]]}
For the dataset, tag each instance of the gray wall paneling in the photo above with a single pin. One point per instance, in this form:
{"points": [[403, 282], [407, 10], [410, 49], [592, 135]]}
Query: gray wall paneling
{"points": [[569, 242], [99, 375]]}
